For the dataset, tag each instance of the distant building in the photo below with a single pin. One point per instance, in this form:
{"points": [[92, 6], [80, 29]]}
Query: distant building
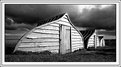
{"points": [[92, 39]]}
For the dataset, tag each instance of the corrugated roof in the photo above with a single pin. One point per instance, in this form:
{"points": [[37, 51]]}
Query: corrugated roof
{"points": [[50, 19], [87, 33]]}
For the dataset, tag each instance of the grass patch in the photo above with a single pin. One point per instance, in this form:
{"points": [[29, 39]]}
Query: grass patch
{"points": [[76, 56]]}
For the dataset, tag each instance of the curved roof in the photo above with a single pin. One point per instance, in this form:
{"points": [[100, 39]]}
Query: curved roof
{"points": [[87, 33], [50, 19]]}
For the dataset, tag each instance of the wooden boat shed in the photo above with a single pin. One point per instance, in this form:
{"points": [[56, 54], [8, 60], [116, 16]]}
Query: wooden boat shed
{"points": [[57, 35]]}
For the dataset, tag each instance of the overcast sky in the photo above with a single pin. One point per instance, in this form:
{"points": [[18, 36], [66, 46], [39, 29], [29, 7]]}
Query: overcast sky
{"points": [[23, 17]]}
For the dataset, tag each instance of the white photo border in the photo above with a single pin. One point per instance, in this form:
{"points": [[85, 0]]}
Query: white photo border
{"points": [[59, 63]]}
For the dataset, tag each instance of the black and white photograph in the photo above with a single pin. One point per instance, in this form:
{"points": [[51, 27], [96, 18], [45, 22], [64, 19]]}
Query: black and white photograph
{"points": [[60, 33]]}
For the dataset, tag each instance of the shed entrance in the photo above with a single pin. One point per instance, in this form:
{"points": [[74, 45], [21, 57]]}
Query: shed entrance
{"points": [[65, 39], [100, 40]]}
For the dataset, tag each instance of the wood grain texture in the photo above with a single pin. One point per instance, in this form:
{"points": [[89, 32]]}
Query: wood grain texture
{"points": [[36, 35], [63, 23], [46, 31], [38, 49], [55, 36], [39, 44], [48, 27], [40, 40]]}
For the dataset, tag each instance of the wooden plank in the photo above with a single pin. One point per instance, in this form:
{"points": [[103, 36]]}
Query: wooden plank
{"points": [[79, 39], [73, 29], [90, 45], [92, 37], [36, 35], [43, 38], [76, 34], [39, 40], [63, 23], [70, 40], [55, 51], [73, 49], [67, 38], [77, 42], [36, 49], [42, 42], [76, 37], [91, 42], [48, 27], [78, 45], [54, 24], [39, 44], [63, 20], [65, 17], [60, 32], [46, 31]]}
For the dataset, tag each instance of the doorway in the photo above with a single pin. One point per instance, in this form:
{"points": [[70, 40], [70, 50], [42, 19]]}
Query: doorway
{"points": [[65, 39]]}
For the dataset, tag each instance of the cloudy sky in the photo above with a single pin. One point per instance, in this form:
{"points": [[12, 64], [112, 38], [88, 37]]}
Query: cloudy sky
{"points": [[20, 18]]}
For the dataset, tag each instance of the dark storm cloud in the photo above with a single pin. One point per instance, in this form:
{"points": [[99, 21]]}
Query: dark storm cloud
{"points": [[30, 14], [98, 18], [10, 24], [33, 13]]}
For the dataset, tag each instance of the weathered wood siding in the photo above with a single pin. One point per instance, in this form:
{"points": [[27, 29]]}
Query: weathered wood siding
{"points": [[100, 42], [95, 42], [46, 37], [42, 39], [76, 40], [91, 41]]}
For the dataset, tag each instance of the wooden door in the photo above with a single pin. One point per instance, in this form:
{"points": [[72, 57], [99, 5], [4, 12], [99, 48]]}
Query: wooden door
{"points": [[100, 40], [65, 37]]}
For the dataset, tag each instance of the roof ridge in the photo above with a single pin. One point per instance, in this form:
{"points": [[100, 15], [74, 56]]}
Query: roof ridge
{"points": [[51, 19]]}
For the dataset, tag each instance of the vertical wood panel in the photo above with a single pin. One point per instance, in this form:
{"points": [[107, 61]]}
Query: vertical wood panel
{"points": [[60, 32], [65, 39], [70, 40]]}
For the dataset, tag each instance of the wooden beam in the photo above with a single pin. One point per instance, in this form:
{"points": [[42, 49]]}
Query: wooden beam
{"points": [[70, 41], [60, 30]]}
